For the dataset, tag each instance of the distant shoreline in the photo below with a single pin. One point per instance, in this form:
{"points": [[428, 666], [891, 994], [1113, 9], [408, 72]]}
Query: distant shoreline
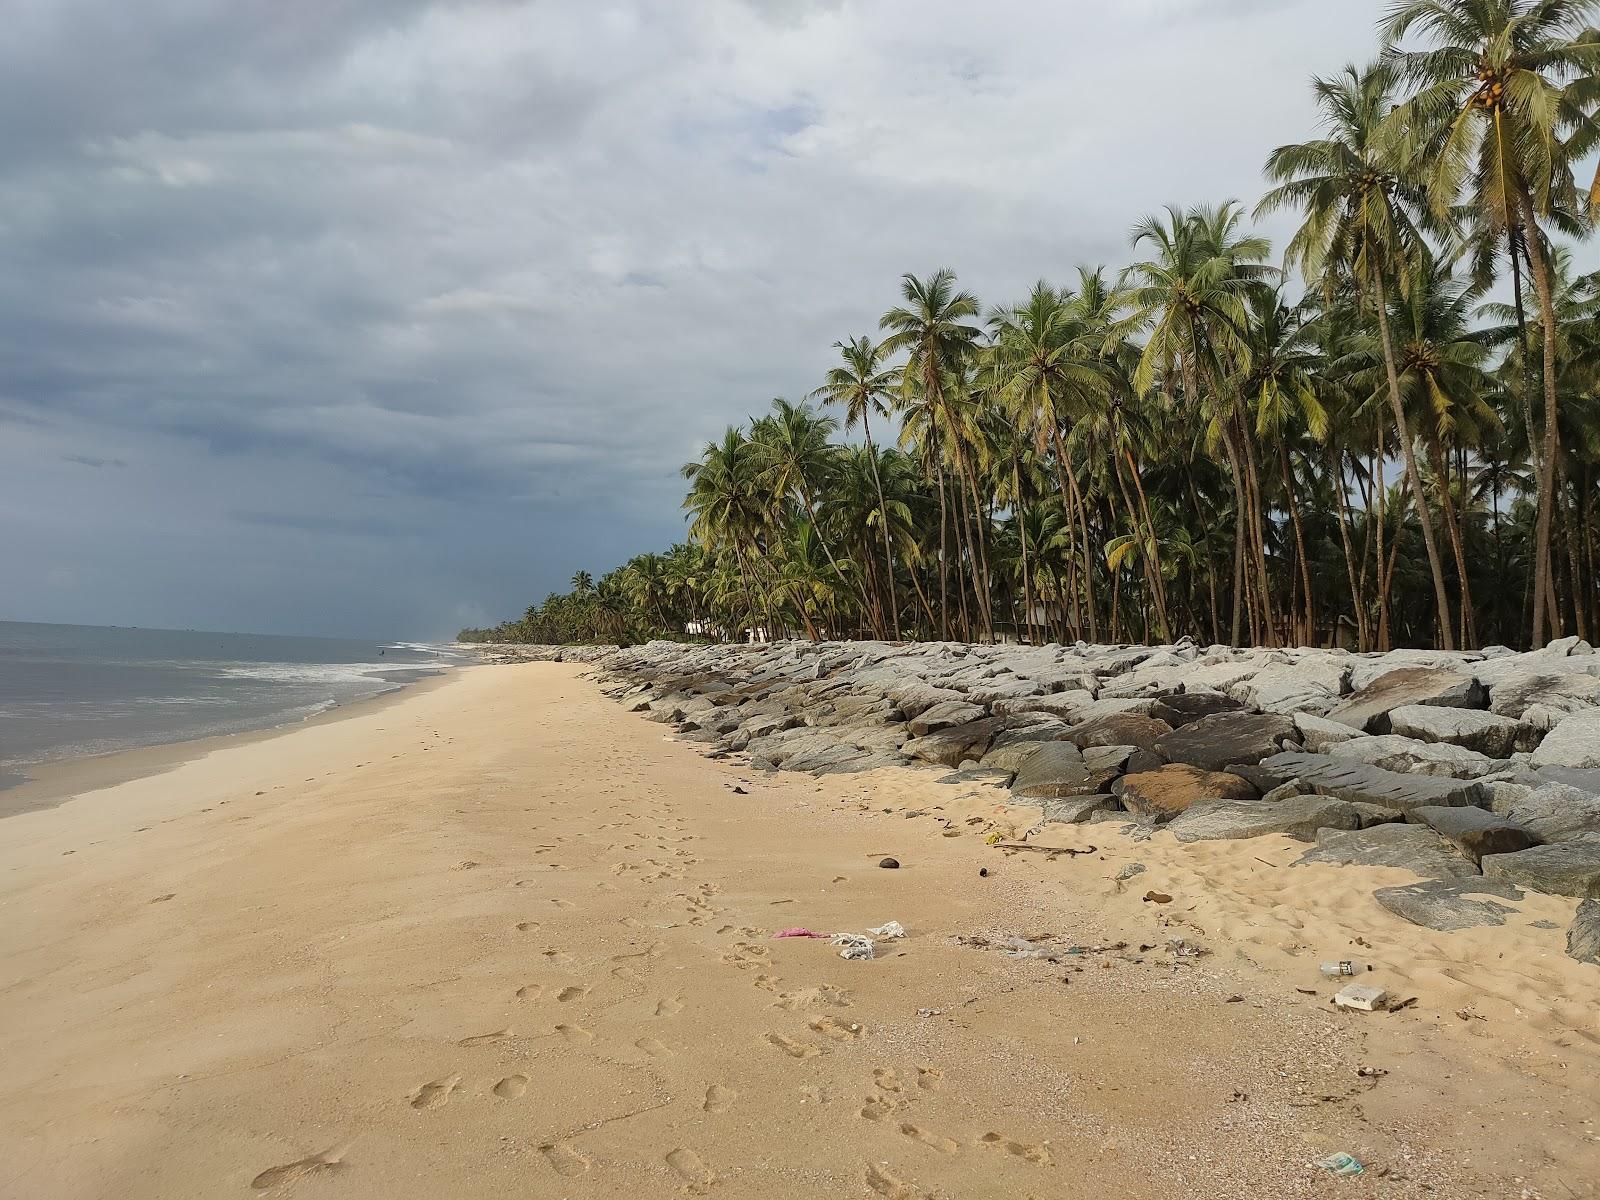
{"points": [[49, 784]]}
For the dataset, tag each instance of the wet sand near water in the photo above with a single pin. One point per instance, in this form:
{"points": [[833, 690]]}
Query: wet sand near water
{"points": [[500, 937]]}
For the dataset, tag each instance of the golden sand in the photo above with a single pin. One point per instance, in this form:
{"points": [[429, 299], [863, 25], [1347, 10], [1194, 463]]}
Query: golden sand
{"points": [[501, 939]]}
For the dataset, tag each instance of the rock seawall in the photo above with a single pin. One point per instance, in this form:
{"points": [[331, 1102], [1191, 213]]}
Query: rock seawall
{"points": [[1490, 760]]}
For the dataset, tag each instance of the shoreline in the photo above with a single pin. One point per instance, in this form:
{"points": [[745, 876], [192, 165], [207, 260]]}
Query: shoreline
{"points": [[58, 781]]}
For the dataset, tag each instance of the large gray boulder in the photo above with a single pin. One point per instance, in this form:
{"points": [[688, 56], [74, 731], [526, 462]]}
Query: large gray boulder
{"points": [[1368, 709], [1057, 704], [1359, 783], [915, 697], [1573, 743], [1226, 739], [1473, 831], [1055, 770], [1410, 847], [1120, 729], [1556, 813], [1542, 699], [1583, 939], [1561, 869], [1484, 732], [1178, 709], [1298, 816], [942, 716], [1311, 685], [1317, 734], [952, 746], [1010, 755], [1447, 905]]}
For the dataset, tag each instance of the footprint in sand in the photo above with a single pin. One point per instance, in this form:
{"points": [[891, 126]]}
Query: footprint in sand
{"points": [[810, 999], [793, 1048], [718, 1098], [577, 1035], [811, 1094], [485, 1039], [653, 1048], [511, 1087], [532, 991], [327, 1162], [877, 1108], [668, 1006], [559, 903], [1039, 1154], [163, 899], [432, 1095], [832, 1027], [527, 926], [568, 994], [689, 1166], [892, 1186], [929, 1079], [933, 1141], [887, 1079], [564, 1160]]}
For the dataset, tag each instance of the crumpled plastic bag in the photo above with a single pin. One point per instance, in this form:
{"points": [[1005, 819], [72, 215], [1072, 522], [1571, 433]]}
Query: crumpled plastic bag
{"points": [[861, 945]]}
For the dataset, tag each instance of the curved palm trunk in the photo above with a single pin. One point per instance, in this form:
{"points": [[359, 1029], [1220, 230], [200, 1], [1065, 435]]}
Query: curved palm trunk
{"points": [[883, 523], [1452, 524], [811, 515], [1074, 502], [1435, 564], [1542, 593], [1358, 597]]}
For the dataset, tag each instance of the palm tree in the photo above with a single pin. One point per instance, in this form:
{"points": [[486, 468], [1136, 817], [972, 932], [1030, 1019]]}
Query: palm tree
{"points": [[862, 386], [932, 329], [1192, 299], [1503, 108], [1362, 216], [727, 513]]}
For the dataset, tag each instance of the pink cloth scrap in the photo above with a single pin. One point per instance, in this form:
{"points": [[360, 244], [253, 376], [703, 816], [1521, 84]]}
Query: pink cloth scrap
{"points": [[799, 931]]}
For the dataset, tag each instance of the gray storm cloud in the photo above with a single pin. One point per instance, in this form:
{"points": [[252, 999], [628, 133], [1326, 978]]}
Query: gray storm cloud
{"points": [[390, 315]]}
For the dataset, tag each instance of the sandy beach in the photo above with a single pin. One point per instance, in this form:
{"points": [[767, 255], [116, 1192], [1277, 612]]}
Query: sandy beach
{"points": [[499, 937]]}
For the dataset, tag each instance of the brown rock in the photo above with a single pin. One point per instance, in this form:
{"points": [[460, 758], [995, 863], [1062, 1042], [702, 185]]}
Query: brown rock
{"points": [[1165, 793]]}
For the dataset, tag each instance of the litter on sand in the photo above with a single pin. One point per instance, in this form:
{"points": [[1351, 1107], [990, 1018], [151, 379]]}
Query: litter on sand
{"points": [[861, 945], [1360, 996], [799, 932], [1341, 1163]]}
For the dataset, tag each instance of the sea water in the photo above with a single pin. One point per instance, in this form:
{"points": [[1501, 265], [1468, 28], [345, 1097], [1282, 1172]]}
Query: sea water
{"points": [[69, 691]]}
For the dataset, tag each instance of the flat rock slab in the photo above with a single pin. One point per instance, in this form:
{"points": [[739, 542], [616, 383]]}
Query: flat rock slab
{"points": [[1363, 784], [1076, 810], [1165, 793], [1583, 939], [1445, 906], [1368, 709], [1224, 739], [1409, 847], [1485, 732], [1299, 816], [1562, 869], [1409, 756], [1473, 831]]}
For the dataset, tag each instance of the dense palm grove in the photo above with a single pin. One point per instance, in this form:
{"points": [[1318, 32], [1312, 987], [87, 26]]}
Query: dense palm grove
{"points": [[1349, 443]]}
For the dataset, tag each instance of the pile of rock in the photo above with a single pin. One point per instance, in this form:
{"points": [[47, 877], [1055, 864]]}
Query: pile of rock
{"points": [[1477, 766]]}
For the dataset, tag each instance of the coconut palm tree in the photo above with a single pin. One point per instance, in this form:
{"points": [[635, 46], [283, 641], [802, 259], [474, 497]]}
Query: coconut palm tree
{"points": [[1363, 215], [933, 329], [1503, 108], [863, 386]]}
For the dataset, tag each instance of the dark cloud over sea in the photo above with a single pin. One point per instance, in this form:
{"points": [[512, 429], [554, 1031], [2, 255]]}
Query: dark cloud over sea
{"points": [[385, 316]]}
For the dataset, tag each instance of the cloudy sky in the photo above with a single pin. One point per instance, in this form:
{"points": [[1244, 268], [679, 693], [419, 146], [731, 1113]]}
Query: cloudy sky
{"points": [[385, 316]]}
